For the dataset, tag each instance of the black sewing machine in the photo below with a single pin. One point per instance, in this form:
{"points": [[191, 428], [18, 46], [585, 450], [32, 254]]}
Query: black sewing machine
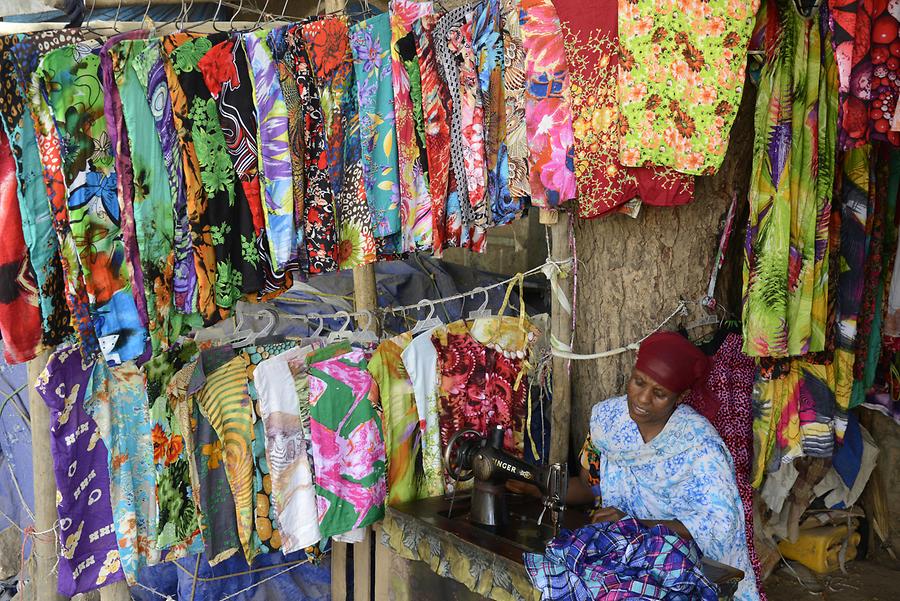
{"points": [[469, 455]]}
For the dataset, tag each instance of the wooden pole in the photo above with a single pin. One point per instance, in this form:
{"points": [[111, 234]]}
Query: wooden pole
{"points": [[43, 550], [561, 329]]}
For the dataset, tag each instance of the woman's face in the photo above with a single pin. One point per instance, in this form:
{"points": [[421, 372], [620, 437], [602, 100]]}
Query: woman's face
{"points": [[649, 403]]}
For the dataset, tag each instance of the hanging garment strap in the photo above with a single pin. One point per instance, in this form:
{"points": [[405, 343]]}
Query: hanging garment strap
{"points": [[709, 300]]}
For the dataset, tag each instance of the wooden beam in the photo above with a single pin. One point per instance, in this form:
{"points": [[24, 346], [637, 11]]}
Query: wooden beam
{"points": [[44, 578], [561, 329]]}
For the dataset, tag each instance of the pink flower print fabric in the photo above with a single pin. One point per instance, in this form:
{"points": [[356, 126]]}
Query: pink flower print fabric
{"points": [[347, 444]]}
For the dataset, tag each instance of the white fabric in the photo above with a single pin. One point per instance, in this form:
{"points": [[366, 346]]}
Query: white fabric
{"points": [[421, 361], [293, 492]]}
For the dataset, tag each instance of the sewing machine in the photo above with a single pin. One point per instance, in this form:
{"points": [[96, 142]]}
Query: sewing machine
{"points": [[469, 455]]}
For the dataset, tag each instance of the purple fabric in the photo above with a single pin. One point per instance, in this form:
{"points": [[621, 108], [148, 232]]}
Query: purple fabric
{"points": [[115, 126], [184, 282], [619, 560], [89, 556]]}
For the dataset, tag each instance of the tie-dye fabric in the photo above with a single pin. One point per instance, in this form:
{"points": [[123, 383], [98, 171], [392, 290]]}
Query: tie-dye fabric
{"points": [[154, 219], [89, 550], [435, 98], [121, 154], [117, 400], [490, 58], [50, 151], [348, 451], [514, 92], [71, 78], [370, 41], [548, 110], [20, 312], [37, 223], [274, 149], [151, 72], [415, 202], [319, 213]]}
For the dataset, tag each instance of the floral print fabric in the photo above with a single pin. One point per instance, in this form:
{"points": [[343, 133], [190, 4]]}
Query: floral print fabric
{"points": [[592, 53], [786, 267], [548, 110], [71, 77], [415, 202], [681, 76], [514, 93], [89, 550], [17, 61], [274, 149], [348, 451], [370, 41], [319, 209]]}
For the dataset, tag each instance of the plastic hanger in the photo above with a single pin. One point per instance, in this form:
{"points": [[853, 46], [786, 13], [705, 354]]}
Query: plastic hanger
{"points": [[343, 333], [321, 325], [430, 320], [243, 337], [366, 334], [482, 311]]}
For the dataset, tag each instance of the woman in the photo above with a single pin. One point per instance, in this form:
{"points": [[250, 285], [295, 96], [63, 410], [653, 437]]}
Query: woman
{"points": [[654, 459]]}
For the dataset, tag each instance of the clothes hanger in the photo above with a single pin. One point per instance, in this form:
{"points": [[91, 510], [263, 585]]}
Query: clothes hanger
{"points": [[366, 334], [430, 320], [482, 311], [320, 327], [342, 333]]}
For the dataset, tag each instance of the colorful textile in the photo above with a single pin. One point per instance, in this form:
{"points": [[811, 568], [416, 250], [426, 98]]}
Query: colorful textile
{"points": [[514, 92], [124, 180], [319, 217], [348, 449], [293, 493], [151, 72], [89, 555], [402, 435], [863, 32], [178, 55], [274, 149], [619, 560], [684, 473], [592, 53], [471, 121], [228, 79], [415, 202], [483, 378], [154, 220], [370, 41], [435, 101], [229, 222], [726, 401], [786, 267], [487, 41], [420, 361], [681, 76], [37, 223], [548, 110], [71, 77], [178, 525], [50, 149], [20, 312], [117, 401], [277, 41]]}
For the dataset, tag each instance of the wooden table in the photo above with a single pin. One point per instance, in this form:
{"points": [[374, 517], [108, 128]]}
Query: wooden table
{"points": [[490, 565]]}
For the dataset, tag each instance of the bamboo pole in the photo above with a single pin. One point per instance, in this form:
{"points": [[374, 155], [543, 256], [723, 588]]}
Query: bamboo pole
{"points": [[43, 549], [561, 329]]}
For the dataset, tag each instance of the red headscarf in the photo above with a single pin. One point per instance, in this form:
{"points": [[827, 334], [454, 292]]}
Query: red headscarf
{"points": [[672, 360]]}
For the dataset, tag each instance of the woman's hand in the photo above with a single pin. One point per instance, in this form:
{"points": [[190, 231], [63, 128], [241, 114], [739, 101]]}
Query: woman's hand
{"points": [[607, 514]]}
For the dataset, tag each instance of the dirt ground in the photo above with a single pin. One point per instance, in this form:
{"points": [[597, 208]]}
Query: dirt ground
{"points": [[875, 580]]}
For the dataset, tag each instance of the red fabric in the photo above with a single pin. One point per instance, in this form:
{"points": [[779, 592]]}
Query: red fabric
{"points": [[726, 401], [591, 38], [20, 315], [672, 360]]}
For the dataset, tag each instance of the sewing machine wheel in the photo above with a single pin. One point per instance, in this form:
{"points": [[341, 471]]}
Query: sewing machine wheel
{"points": [[458, 455]]}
